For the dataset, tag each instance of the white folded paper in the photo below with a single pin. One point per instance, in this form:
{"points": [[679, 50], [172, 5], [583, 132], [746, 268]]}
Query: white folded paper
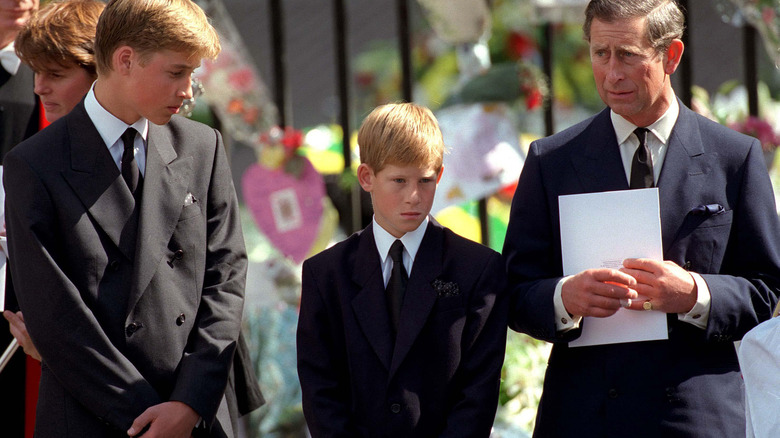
{"points": [[600, 230]]}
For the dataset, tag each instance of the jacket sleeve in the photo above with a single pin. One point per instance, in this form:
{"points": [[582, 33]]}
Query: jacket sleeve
{"points": [[65, 331], [484, 343], [204, 367], [746, 288], [322, 366], [532, 256]]}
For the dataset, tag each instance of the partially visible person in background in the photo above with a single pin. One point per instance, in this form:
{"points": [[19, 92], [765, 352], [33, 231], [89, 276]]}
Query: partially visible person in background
{"points": [[18, 120], [58, 44], [759, 359]]}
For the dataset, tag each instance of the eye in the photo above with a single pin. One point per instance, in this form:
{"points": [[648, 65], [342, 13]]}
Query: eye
{"points": [[399, 180], [426, 180]]}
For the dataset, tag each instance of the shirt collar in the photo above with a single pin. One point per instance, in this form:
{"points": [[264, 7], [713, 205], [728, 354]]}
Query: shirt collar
{"points": [[411, 240], [8, 59], [661, 128], [109, 126]]}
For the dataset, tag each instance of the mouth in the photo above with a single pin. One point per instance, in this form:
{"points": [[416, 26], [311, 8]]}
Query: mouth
{"points": [[174, 109]]}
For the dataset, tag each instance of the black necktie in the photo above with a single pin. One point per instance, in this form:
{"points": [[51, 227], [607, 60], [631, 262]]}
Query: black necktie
{"points": [[396, 286], [130, 171], [642, 163]]}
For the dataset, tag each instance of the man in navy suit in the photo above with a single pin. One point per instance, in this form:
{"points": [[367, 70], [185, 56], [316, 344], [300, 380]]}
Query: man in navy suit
{"points": [[402, 326], [721, 243]]}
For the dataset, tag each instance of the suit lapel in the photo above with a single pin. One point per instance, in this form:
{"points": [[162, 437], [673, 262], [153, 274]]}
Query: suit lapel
{"points": [[597, 161], [685, 169], [96, 180], [164, 190], [420, 296], [369, 303]]}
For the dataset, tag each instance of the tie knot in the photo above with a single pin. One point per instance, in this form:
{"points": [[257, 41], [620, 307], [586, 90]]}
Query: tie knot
{"points": [[397, 251], [641, 134], [128, 138]]}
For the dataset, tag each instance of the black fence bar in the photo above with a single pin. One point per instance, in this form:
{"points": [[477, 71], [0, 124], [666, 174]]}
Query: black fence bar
{"points": [[751, 69], [686, 64], [547, 67], [353, 210], [405, 48], [280, 63]]}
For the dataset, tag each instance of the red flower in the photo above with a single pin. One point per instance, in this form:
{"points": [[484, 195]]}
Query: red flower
{"points": [[292, 139], [533, 99], [520, 45]]}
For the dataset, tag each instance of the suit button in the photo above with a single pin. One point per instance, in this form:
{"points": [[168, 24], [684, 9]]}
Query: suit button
{"points": [[114, 265], [687, 265], [612, 393], [395, 408], [180, 319], [178, 254], [132, 328]]}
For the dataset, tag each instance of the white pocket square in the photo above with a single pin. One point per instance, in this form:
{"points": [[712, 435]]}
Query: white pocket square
{"points": [[189, 199]]}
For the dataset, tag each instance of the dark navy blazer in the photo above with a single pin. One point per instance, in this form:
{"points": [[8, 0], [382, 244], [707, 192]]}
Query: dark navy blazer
{"points": [[440, 378]]}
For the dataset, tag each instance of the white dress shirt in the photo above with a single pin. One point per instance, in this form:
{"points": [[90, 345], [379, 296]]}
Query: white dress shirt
{"points": [[658, 142], [8, 59], [411, 241], [111, 129]]}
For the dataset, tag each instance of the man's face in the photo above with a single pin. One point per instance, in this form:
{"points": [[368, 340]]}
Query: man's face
{"points": [[61, 88], [15, 13], [157, 87], [402, 196], [631, 77]]}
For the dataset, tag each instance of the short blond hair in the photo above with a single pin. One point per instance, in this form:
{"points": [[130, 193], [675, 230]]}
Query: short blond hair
{"points": [[150, 26], [401, 134], [63, 33]]}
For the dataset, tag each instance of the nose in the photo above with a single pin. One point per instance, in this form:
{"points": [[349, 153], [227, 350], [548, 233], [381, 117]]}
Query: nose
{"points": [[186, 90], [414, 194], [614, 70], [42, 87]]}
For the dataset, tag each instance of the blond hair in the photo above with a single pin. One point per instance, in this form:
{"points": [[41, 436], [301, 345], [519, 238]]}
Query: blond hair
{"points": [[150, 26], [63, 33], [401, 134]]}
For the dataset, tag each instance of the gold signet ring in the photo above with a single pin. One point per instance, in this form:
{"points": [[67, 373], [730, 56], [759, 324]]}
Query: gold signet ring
{"points": [[647, 305]]}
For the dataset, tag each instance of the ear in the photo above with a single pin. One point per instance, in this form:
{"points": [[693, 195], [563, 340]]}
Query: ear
{"points": [[366, 177], [441, 171], [672, 56], [123, 59]]}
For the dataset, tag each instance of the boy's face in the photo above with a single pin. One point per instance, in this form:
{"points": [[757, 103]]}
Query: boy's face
{"points": [[157, 87], [402, 196]]}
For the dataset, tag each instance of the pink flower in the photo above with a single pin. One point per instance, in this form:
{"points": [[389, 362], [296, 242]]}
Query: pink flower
{"points": [[760, 129]]}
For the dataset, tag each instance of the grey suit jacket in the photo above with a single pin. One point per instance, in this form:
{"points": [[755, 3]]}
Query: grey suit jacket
{"points": [[124, 323]]}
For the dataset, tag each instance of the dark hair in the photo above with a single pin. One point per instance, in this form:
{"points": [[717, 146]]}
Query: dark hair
{"points": [[665, 19]]}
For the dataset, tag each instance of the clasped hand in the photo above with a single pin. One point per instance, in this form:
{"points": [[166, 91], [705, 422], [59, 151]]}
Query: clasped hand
{"points": [[601, 292]]}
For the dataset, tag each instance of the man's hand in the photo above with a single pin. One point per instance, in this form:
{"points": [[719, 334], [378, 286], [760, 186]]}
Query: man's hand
{"points": [[669, 287], [597, 292], [19, 331], [171, 419]]}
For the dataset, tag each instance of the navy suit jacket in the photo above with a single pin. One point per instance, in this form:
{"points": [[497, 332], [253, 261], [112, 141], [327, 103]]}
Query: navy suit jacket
{"points": [[441, 376], [123, 323], [689, 385]]}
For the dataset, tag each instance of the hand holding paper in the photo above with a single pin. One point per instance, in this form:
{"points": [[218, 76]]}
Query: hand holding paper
{"points": [[598, 292], [670, 287]]}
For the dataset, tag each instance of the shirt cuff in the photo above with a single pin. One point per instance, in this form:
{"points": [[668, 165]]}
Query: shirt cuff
{"points": [[700, 314], [563, 321]]}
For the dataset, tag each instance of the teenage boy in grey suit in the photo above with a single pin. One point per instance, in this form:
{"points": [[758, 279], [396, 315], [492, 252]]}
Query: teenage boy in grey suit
{"points": [[129, 257]]}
